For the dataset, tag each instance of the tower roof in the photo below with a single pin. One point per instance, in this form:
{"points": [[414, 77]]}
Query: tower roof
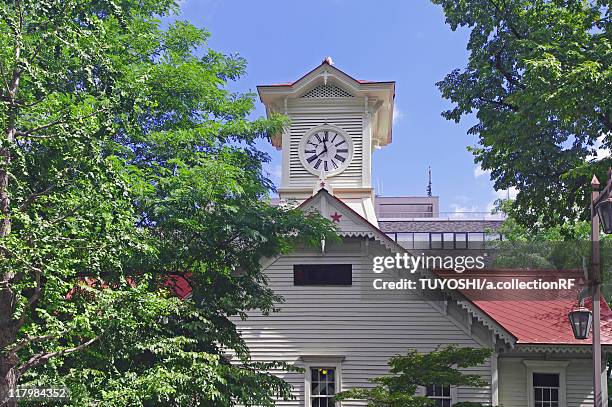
{"points": [[378, 97]]}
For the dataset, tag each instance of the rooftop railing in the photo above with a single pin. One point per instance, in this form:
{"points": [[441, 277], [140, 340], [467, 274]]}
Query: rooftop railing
{"points": [[440, 216]]}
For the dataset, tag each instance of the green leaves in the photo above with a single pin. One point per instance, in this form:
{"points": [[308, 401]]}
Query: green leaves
{"points": [[130, 162], [413, 370], [539, 79]]}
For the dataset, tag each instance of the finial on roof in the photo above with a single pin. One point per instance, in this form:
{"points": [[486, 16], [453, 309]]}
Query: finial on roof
{"points": [[328, 60]]}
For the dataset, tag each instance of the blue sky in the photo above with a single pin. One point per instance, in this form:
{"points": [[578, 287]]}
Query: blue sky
{"points": [[404, 41]]}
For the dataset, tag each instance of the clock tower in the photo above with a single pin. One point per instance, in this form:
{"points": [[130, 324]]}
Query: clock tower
{"points": [[336, 122]]}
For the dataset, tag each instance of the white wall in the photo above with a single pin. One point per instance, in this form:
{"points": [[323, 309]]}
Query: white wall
{"points": [[301, 122], [513, 381], [338, 321]]}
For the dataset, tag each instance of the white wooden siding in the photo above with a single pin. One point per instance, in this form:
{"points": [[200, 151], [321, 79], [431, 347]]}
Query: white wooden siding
{"points": [[338, 321], [352, 123], [513, 382]]}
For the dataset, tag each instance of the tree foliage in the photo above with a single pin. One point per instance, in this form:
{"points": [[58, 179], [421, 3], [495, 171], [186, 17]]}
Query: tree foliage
{"points": [[408, 372], [539, 79], [125, 160]]}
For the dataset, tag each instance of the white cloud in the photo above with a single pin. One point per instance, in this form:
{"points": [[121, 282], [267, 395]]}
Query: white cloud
{"points": [[600, 152], [501, 194], [506, 193], [461, 211], [479, 172], [397, 114]]}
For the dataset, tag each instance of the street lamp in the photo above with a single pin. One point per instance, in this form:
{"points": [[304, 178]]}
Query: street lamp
{"points": [[581, 320], [604, 211]]}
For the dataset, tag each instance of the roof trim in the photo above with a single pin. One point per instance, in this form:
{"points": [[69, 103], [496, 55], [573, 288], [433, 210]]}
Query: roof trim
{"points": [[289, 84], [472, 309], [382, 236]]}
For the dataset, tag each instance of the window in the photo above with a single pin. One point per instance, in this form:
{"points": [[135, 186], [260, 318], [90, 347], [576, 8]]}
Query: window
{"points": [[322, 274], [475, 240], [449, 242], [546, 383], [460, 240], [322, 386], [405, 240], [421, 240], [436, 240], [546, 389], [441, 395]]}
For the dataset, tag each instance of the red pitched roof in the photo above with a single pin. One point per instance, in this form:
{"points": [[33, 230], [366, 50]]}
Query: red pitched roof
{"points": [[536, 317]]}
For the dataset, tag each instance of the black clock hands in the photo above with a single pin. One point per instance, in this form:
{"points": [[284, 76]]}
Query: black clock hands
{"points": [[324, 150]]}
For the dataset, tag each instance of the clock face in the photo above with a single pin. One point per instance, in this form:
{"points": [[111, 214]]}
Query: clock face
{"points": [[325, 149]]}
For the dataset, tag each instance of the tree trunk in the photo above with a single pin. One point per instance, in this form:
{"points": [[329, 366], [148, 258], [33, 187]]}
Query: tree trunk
{"points": [[8, 330], [8, 333], [8, 380], [8, 337]]}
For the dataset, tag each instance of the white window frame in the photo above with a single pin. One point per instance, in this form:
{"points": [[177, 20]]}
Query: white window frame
{"points": [[453, 394], [545, 366], [314, 362]]}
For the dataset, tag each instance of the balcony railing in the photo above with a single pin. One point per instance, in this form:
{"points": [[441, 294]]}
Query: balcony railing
{"points": [[440, 216]]}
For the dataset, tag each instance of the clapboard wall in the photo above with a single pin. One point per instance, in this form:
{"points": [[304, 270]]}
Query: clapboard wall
{"points": [[301, 122], [340, 321]]}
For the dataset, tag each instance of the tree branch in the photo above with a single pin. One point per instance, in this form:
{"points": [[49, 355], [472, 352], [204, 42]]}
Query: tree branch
{"points": [[44, 357], [4, 80], [499, 103], [28, 340], [509, 77], [33, 298], [605, 118], [510, 26], [30, 133], [33, 197]]}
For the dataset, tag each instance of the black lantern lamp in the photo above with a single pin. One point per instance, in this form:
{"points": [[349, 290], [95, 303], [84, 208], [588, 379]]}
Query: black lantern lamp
{"points": [[604, 210], [581, 320]]}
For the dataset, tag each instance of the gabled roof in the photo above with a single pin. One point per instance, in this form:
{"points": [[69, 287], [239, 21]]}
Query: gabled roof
{"points": [[536, 317], [380, 96], [528, 318], [354, 225], [325, 62]]}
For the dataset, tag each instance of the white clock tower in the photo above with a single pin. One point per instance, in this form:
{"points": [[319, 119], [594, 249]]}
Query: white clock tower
{"points": [[336, 123]]}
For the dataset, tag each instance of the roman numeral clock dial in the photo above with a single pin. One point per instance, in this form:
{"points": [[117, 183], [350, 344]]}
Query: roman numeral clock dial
{"points": [[326, 149]]}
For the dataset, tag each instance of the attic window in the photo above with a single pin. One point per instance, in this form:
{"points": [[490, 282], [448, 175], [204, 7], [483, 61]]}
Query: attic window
{"points": [[327, 91], [322, 274]]}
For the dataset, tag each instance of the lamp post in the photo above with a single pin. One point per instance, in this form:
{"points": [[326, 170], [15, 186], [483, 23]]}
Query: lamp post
{"points": [[581, 318]]}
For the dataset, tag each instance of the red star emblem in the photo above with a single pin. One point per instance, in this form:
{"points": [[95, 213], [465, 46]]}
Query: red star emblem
{"points": [[322, 184], [336, 217]]}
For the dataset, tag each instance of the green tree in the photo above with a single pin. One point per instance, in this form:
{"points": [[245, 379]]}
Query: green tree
{"points": [[125, 160], [409, 372], [539, 79]]}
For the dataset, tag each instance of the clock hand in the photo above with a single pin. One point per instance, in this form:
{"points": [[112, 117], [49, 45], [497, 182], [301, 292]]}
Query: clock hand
{"points": [[324, 150]]}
